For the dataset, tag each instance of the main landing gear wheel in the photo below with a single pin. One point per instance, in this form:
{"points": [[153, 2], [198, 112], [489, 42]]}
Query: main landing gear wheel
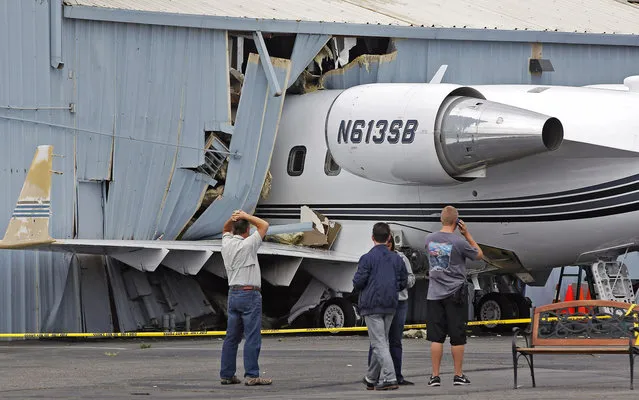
{"points": [[523, 306], [497, 306], [337, 313]]}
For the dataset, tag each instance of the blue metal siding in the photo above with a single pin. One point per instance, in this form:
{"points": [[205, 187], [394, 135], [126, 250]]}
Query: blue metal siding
{"points": [[32, 284], [154, 85], [163, 82], [477, 62]]}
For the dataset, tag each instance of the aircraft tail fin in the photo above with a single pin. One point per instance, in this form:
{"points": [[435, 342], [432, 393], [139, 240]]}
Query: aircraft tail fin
{"points": [[439, 75], [29, 224]]}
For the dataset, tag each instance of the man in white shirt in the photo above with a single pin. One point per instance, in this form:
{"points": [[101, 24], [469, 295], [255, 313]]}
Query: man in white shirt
{"points": [[239, 252]]}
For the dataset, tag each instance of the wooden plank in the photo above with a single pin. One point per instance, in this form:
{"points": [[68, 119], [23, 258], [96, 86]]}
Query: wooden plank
{"points": [[575, 350], [583, 342], [535, 331], [582, 303]]}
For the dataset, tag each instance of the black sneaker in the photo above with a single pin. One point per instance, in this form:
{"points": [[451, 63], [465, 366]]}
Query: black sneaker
{"points": [[387, 386], [461, 380], [369, 386], [434, 381], [404, 382]]}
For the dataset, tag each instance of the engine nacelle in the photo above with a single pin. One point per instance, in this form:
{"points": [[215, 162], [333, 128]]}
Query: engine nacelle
{"points": [[431, 134]]}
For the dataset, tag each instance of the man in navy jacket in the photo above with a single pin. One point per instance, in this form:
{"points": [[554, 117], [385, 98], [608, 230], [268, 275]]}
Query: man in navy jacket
{"points": [[380, 275]]}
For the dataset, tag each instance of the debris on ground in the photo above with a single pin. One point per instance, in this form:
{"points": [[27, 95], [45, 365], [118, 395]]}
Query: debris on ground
{"points": [[415, 334]]}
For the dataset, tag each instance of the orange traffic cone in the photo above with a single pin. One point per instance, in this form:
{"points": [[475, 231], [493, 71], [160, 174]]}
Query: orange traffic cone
{"points": [[582, 310], [570, 297], [589, 309]]}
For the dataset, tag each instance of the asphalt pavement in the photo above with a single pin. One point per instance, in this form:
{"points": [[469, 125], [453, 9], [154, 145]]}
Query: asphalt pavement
{"points": [[326, 367]]}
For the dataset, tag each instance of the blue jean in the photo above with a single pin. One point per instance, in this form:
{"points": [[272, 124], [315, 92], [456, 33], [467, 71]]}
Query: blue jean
{"points": [[395, 339], [244, 317]]}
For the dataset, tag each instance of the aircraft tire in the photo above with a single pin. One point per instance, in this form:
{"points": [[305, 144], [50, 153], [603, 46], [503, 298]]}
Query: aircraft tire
{"points": [[496, 306], [337, 312], [523, 306]]}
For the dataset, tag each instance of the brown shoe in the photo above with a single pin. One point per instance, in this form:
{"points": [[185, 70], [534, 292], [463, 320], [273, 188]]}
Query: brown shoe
{"points": [[387, 386], [231, 381], [258, 381]]}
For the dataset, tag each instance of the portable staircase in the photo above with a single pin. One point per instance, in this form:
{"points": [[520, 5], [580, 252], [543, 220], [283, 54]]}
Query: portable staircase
{"points": [[607, 280]]}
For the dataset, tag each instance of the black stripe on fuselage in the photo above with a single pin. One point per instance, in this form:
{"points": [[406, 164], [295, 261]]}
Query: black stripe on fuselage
{"points": [[489, 204], [357, 216], [612, 184]]}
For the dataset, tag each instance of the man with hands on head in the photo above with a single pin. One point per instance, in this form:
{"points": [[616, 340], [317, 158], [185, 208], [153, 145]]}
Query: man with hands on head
{"points": [[239, 252]]}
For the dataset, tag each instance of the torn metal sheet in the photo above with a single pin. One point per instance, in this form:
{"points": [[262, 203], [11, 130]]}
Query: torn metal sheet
{"points": [[161, 105], [184, 198], [367, 68], [253, 139], [187, 262], [144, 300], [142, 259], [308, 300], [215, 265], [279, 271], [336, 275], [95, 298], [305, 49]]}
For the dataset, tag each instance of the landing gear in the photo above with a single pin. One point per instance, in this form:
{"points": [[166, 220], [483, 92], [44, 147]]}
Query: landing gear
{"points": [[500, 306], [337, 312]]}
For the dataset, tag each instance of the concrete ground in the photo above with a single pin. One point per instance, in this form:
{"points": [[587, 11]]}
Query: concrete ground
{"points": [[328, 367]]}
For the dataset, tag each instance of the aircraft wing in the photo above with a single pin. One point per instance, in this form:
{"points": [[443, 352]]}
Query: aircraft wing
{"points": [[29, 229], [119, 247]]}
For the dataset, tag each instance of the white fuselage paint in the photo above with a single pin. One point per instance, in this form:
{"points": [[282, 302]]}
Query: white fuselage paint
{"points": [[600, 145]]}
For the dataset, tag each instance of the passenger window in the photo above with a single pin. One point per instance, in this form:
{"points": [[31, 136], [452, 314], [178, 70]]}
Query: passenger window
{"points": [[296, 159], [330, 166]]}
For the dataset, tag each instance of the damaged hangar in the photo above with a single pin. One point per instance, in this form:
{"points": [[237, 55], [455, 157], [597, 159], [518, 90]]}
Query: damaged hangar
{"points": [[142, 100]]}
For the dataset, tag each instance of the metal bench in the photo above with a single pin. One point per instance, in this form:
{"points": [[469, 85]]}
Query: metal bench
{"points": [[580, 327]]}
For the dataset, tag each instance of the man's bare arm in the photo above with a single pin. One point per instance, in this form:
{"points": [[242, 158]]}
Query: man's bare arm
{"points": [[259, 223], [228, 226], [464, 231]]}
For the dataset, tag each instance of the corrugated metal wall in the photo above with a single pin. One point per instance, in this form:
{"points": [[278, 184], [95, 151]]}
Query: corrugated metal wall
{"points": [[161, 85], [142, 97], [32, 284]]}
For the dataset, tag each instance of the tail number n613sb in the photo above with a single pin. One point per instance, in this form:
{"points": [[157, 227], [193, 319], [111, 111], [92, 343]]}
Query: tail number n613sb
{"points": [[393, 132]]}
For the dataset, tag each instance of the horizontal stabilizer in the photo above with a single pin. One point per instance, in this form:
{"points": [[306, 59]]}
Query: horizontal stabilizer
{"points": [[29, 224]]}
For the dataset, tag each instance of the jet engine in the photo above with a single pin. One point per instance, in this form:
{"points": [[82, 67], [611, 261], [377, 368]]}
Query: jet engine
{"points": [[431, 134]]}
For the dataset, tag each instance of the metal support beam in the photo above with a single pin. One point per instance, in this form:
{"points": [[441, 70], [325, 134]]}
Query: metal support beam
{"points": [[275, 87], [342, 29]]}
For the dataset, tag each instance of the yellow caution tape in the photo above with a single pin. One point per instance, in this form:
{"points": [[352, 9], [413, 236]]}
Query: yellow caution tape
{"points": [[102, 335], [636, 324]]}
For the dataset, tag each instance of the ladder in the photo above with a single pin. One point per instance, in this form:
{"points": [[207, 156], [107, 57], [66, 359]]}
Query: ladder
{"points": [[579, 275], [607, 280], [214, 158], [612, 281]]}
